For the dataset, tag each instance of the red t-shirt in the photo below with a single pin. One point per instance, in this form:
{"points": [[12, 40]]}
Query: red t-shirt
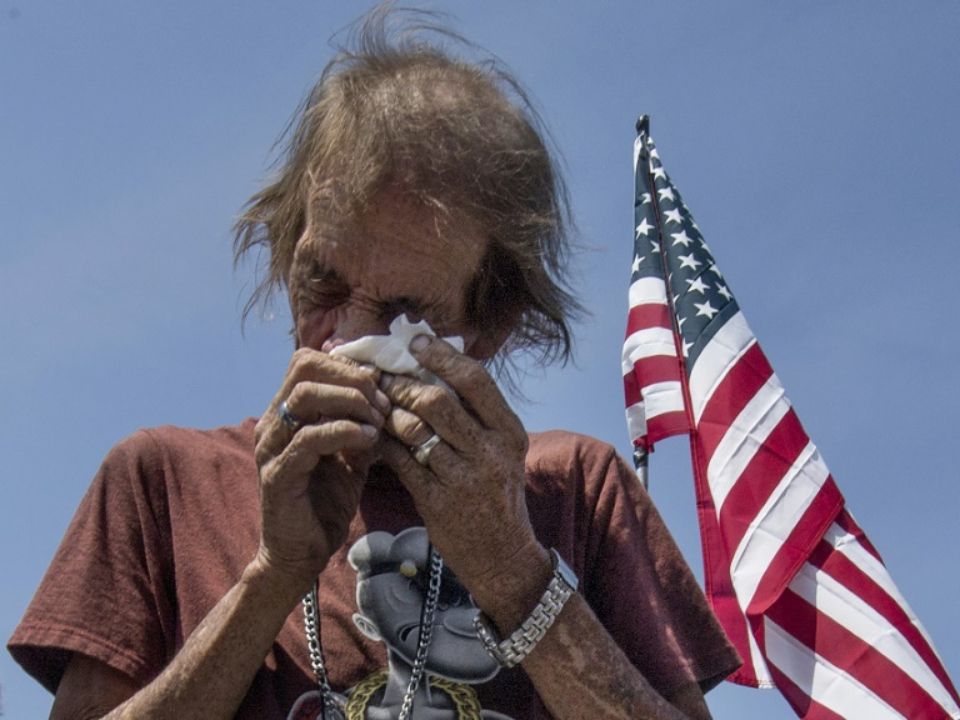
{"points": [[172, 519]]}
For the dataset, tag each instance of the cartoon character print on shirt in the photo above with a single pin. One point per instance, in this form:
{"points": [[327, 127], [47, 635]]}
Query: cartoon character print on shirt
{"points": [[392, 577]]}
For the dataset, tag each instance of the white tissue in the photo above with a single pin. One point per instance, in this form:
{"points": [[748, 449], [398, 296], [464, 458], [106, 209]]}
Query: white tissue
{"points": [[391, 353]]}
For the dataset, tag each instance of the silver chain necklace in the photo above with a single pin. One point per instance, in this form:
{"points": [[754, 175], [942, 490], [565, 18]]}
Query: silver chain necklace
{"points": [[311, 625]]}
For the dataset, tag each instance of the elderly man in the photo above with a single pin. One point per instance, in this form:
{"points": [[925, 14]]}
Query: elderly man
{"points": [[415, 185]]}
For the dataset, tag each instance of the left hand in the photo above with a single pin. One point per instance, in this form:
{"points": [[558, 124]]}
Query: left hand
{"points": [[471, 493]]}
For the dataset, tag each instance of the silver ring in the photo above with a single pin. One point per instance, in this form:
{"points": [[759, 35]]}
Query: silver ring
{"points": [[421, 453], [287, 417]]}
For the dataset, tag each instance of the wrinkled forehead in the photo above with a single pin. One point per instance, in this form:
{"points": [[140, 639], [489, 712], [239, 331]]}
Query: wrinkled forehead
{"points": [[398, 223]]}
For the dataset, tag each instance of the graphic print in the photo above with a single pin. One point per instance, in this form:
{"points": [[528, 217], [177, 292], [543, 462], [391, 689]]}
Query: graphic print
{"points": [[392, 577]]}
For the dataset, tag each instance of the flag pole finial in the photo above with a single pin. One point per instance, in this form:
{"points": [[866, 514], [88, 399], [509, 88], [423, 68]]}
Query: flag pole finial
{"points": [[643, 124]]}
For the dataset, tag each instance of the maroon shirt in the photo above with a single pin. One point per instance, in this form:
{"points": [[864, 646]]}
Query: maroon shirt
{"points": [[172, 519]]}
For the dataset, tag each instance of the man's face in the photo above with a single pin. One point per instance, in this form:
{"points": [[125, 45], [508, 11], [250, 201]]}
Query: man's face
{"points": [[347, 285]]}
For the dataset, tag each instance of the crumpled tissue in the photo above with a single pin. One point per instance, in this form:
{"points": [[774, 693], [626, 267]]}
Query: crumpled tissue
{"points": [[391, 353]]}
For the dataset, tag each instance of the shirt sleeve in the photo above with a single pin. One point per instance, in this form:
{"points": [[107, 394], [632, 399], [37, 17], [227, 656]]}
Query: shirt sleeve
{"points": [[643, 591], [107, 593]]}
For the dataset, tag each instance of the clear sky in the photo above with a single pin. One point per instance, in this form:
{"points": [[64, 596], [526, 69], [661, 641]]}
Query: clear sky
{"points": [[815, 142]]}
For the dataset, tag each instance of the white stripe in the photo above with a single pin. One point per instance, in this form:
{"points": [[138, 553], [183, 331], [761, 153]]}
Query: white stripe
{"points": [[648, 342], [716, 359], [648, 291], [848, 609], [775, 521], [759, 662], [744, 437], [662, 397], [823, 681], [636, 421], [844, 542]]}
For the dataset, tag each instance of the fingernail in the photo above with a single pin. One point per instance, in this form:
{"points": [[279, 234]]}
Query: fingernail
{"points": [[368, 430], [386, 379], [420, 342], [383, 402]]}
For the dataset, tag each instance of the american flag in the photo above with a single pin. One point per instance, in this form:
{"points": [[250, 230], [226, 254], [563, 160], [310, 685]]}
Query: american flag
{"points": [[797, 586]]}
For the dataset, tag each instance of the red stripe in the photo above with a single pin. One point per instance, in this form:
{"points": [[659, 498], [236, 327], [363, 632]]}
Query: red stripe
{"points": [[846, 521], [796, 549], [803, 705], [862, 661], [656, 368], [845, 571], [648, 315], [666, 425], [740, 384], [631, 389], [761, 476]]}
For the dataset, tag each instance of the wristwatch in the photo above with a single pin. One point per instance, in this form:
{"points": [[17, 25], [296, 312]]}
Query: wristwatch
{"points": [[515, 648]]}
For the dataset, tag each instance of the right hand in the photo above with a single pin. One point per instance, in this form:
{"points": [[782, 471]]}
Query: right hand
{"points": [[311, 478]]}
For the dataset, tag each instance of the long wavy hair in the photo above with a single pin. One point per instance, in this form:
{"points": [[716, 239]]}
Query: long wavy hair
{"points": [[396, 107]]}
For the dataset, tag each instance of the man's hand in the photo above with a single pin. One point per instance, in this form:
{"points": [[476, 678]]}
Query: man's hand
{"points": [[471, 491], [311, 476]]}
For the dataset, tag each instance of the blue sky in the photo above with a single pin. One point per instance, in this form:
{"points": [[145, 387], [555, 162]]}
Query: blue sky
{"points": [[815, 142]]}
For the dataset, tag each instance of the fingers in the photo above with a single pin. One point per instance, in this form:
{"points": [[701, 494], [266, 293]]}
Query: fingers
{"points": [[313, 366], [420, 410], [470, 380], [315, 388], [311, 401], [421, 481], [312, 442]]}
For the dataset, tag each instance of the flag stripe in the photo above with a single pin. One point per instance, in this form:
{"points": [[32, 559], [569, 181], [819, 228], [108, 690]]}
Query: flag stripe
{"points": [[744, 437], [821, 679], [804, 705], [741, 382], [649, 342], [777, 464], [649, 315], [655, 369], [809, 620], [647, 290], [772, 550], [864, 579], [723, 352], [790, 554]]}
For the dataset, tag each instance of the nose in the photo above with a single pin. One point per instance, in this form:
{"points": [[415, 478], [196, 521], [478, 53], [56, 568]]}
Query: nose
{"points": [[351, 322]]}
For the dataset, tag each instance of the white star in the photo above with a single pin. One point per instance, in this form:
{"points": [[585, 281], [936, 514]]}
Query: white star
{"points": [[655, 245], [658, 172], [681, 237], [706, 309], [704, 245], [654, 154], [697, 285], [722, 289], [680, 322], [689, 261], [715, 270], [645, 199], [673, 216], [666, 194], [686, 348], [643, 228], [636, 263]]}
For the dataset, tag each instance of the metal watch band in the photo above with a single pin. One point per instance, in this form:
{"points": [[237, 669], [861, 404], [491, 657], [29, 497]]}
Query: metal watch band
{"points": [[515, 648]]}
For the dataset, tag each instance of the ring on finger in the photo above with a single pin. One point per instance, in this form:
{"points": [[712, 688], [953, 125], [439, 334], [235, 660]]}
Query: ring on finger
{"points": [[421, 452], [288, 418]]}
